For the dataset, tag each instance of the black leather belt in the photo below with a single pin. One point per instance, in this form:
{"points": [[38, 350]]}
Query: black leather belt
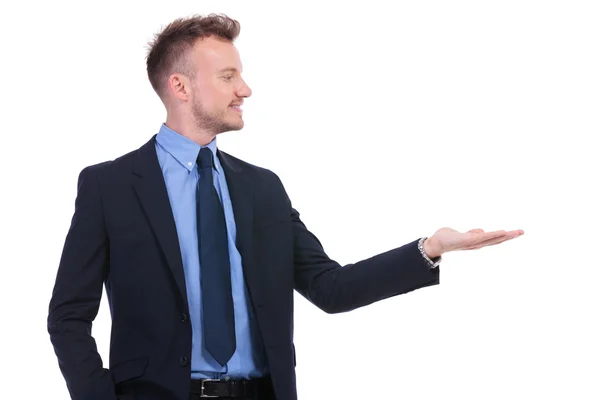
{"points": [[232, 388]]}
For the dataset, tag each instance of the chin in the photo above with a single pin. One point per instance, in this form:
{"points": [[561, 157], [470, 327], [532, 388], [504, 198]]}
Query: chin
{"points": [[235, 126], [232, 127]]}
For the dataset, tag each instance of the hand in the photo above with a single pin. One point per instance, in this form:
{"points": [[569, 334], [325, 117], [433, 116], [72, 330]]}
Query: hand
{"points": [[447, 239]]}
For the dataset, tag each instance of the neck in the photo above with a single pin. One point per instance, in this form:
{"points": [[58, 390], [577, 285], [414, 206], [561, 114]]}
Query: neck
{"points": [[190, 131]]}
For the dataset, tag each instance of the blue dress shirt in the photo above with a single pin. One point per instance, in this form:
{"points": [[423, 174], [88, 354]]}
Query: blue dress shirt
{"points": [[177, 158]]}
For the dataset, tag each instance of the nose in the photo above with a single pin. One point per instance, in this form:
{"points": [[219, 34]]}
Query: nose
{"points": [[244, 90]]}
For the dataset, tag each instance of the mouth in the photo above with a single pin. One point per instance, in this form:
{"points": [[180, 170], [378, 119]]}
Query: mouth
{"points": [[237, 108]]}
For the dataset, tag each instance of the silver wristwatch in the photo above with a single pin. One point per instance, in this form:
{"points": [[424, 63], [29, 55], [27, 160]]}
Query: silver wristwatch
{"points": [[432, 263]]}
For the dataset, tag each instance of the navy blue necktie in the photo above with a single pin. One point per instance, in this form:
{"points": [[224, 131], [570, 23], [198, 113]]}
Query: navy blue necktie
{"points": [[217, 301]]}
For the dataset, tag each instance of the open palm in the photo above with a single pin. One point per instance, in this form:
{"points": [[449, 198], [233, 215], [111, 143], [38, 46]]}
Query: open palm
{"points": [[447, 239]]}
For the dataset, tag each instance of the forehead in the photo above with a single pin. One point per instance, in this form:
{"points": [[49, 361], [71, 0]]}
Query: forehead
{"points": [[215, 54]]}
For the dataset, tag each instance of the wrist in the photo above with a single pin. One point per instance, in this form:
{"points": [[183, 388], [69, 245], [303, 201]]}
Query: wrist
{"points": [[431, 249]]}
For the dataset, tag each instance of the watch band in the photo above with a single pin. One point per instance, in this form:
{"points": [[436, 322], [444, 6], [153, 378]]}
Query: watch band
{"points": [[432, 263]]}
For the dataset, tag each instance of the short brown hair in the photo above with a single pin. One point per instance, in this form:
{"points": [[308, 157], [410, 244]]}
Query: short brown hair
{"points": [[169, 51]]}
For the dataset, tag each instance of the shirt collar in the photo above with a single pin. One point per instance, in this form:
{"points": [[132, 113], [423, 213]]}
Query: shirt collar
{"points": [[184, 150]]}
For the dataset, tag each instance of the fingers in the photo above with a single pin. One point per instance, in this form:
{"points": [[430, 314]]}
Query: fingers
{"points": [[500, 235], [514, 233], [477, 238], [484, 239], [496, 240], [482, 235], [486, 244]]}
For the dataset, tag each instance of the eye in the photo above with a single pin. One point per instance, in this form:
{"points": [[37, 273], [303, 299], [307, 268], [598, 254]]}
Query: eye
{"points": [[228, 77]]}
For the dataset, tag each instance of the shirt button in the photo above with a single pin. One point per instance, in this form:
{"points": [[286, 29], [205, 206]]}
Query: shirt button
{"points": [[189, 164], [183, 361], [184, 318]]}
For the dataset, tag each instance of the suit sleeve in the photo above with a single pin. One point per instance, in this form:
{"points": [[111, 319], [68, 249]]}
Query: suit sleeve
{"points": [[335, 288], [76, 296]]}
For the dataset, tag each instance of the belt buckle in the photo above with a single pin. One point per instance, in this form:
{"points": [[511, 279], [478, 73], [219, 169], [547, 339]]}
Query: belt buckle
{"points": [[202, 387]]}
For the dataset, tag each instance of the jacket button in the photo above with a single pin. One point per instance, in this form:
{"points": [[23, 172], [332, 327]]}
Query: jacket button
{"points": [[183, 361], [184, 318]]}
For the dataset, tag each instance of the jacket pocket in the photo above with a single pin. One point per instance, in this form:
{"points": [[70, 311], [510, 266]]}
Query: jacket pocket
{"points": [[131, 369]]}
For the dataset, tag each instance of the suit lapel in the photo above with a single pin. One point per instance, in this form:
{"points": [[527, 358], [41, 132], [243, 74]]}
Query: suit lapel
{"points": [[242, 202], [152, 193]]}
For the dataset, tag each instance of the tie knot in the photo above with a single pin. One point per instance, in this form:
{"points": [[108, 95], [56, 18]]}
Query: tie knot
{"points": [[205, 158]]}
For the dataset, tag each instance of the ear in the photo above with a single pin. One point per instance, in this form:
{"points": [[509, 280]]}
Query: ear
{"points": [[180, 86]]}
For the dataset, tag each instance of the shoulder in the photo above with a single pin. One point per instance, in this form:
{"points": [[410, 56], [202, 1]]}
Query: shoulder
{"points": [[126, 162], [264, 181], [118, 171], [238, 164], [111, 167]]}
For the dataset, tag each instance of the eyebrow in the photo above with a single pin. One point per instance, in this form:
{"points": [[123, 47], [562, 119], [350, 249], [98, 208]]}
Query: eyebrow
{"points": [[229, 69]]}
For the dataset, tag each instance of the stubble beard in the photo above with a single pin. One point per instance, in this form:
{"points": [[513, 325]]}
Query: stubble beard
{"points": [[214, 122]]}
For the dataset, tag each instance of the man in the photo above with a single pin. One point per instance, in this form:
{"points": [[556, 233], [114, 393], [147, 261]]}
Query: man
{"points": [[200, 252]]}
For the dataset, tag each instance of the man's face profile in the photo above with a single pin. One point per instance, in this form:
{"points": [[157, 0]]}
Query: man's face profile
{"points": [[217, 87]]}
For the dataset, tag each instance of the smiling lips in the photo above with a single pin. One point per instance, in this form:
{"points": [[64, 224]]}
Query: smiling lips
{"points": [[237, 107]]}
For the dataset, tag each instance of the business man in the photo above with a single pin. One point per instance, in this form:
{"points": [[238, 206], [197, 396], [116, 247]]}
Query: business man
{"points": [[200, 252]]}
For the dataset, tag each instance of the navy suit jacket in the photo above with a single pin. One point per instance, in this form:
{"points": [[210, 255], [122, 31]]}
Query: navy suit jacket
{"points": [[122, 235]]}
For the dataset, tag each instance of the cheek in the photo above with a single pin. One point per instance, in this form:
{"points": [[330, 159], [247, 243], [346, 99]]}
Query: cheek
{"points": [[206, 92], [214, 97]]}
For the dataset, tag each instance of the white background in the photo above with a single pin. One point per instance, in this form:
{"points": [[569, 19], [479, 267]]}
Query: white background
{"points": [[385, 122]]}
